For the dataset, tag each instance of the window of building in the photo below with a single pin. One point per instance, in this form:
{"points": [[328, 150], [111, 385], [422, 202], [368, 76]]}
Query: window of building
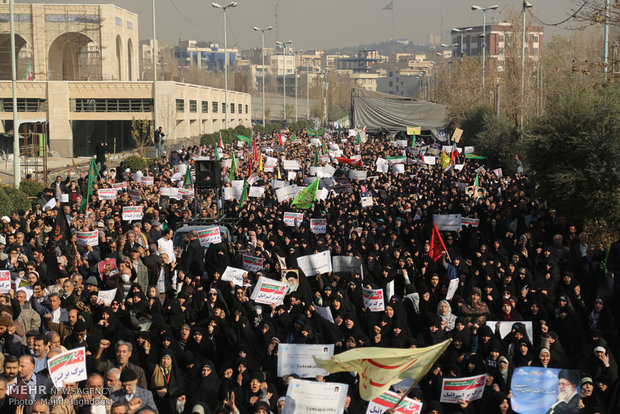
{"points": [[223, 107], [180, 105], [23, 105], [193, 106], [205, 107], [232, 108], [535, 38], [501, 37], [247, 110], [214, 107], [240, 109], [391, 74], [390, 83], [108, 105]]}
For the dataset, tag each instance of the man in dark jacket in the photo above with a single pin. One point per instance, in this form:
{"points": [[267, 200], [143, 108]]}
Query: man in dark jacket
{"points": [[193, 255]]}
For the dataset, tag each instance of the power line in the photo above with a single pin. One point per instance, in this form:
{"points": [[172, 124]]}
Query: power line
{"points": [[563, 21]]}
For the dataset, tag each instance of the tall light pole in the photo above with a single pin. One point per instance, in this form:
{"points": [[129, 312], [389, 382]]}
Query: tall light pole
{"points": [[307, 90], [154, 56], [484, 37], [295, 53], [462, 32], [262, 52], [526, 5], [606, 40], [224, 8], [16, 161], [284, 46]]}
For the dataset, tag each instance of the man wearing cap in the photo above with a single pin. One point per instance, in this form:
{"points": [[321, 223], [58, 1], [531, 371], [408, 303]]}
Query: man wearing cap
{"points": [[568, 398], [130, 393]]}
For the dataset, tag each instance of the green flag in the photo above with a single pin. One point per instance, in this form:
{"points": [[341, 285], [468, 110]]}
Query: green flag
{"points": [[92, 173], [187, 180], [306, 197], [413, 142], [244, 194], [316, 157], [242, 138], [475, 157], [217, 152], [323, 147], [358, 139], [233, 167], [476, 185]]}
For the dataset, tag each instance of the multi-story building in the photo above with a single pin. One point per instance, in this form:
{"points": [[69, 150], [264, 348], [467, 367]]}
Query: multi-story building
{"points": [[362, 63], [204, 54], [497, 39]]}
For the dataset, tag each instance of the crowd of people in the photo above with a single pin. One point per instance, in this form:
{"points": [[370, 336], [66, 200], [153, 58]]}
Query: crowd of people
{"points": [[175, 338]]}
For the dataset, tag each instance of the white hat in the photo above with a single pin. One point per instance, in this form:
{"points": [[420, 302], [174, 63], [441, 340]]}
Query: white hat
{"points": [[599, 349], [6, 218]]}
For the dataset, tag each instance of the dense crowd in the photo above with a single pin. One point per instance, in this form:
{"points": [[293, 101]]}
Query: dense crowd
{"points": [[177, 339]]}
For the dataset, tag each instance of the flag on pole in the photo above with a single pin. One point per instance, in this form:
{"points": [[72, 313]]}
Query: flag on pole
{"points": [[233, 167], [413, 142], [279, 176], [316, 157], [323, 147], [255, 151], [437, 246], [476, 184], [379, 368], [244, 194], [305, 197], [217, 153], [358, 139], [187, 180], [92, 172], [260, 164], [221, 144], [444, 160], [280, 139], [243, 138]]}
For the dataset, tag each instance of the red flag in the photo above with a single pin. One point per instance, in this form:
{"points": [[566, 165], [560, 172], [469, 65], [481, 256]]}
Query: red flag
{"points": [[280, 139], [455, 153], [437, 246], [255, 151], [251, 169], [354, 162]]}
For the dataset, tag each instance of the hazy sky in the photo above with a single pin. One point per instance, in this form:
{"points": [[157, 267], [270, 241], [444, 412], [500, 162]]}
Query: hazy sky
{"points": [[324, 24]]}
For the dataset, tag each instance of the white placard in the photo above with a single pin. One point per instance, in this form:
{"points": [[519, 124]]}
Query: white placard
{"points": [[147, 180], [346, 264], [315, 263], [291, 175], [5, 281], [297, 359], [373, 299], [235, 275], [468, 150], [271, 162], [286, 193], [232, 193], [256, 192], [398, 168], [293, 219], [315, 141], [209, 236], [452, 287], [237, 183], [318, 226], [468, 389], [252, 263], [400, 143], [87, 238], [389, 399], [132, 213], [227, 163], [382, 165], [106, 194], [429, 160], [64, 198], [290, 165], [358, 174], [67, 367], [310, 397], [322, 194], [468, 221], [268, 291], [107, 296], [367, 201], [325, 312], [276, 184], [459, 167], [447, 222]]}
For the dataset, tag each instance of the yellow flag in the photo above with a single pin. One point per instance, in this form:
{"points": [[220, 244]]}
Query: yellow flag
{"points": [[279, 176], [379, 368], [260, 164], [444, 160]]}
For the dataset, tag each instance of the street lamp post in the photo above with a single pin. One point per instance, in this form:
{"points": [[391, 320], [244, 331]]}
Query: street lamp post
{"points": [[154, 56], [224, 8], [462, 32], [284, 46], [298, 52], [263, 63], [484, 37], [526, 5], [307, 90]]}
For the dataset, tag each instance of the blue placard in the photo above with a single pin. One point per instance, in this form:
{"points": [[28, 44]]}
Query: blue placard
{"points": [[537, 390]]}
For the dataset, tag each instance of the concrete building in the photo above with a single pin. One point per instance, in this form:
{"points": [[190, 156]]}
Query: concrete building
{"points": [[367, 81], [363, 62], [497, 39], [85, 68]]}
